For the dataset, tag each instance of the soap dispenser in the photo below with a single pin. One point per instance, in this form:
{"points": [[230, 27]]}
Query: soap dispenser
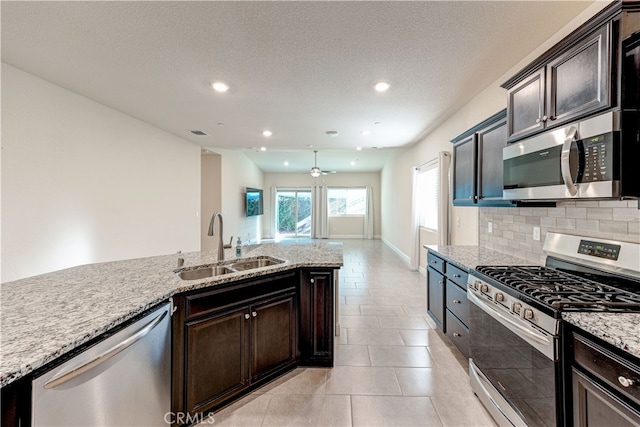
{"points": [[238, 248]]}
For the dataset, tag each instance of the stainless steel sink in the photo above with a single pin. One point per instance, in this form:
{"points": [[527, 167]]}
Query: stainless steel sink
{"points": [[228, 267], [250, 264], [204, 272]]}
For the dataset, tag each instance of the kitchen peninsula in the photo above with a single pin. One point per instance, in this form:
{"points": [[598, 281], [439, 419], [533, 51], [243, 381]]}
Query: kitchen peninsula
{"points": [[51, 315]]}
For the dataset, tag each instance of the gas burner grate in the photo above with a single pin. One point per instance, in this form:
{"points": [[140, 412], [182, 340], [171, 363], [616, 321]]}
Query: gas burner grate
{"points": [[562, 291]]}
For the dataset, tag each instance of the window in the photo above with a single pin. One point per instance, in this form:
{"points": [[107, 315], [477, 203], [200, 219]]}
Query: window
{"points": [[428, 196], [347, 201]]}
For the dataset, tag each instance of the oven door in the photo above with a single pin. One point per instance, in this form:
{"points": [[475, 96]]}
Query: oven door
{"points": [[515, 381]]}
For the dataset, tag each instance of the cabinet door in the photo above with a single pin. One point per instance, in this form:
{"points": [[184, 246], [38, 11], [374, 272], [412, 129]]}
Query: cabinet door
{"points": [[579, 80], [273, 331], [491, 141], [316, 317], [464, 172], [526, 106], [217, 359], [594, 406], [435, 296]]}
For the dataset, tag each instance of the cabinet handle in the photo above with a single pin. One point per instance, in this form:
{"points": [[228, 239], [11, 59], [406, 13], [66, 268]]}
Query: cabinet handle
{"points": [[544, 118], [434, 262], [538, 120], [470, 197], [455, 334], [457, 276], [313, 280], [625, 382], [254, 314], [246, 316], [455, 301], [552, 117]]}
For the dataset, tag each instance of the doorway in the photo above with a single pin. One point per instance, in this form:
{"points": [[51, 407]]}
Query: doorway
{"points": [[293, 213]]}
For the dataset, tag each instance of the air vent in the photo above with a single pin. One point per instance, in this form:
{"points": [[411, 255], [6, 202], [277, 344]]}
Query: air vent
{"points": [[198, 132]]}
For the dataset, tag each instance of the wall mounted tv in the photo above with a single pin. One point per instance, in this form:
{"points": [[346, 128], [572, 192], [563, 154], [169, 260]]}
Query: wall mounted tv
{"points": [[254, 202]]}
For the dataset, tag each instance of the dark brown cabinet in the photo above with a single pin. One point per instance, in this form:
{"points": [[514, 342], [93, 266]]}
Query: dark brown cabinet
{"points": [[231, 339], [447, 302], [316, 317], [477, 163], [573, 83], [603, 384], [436, 289]]}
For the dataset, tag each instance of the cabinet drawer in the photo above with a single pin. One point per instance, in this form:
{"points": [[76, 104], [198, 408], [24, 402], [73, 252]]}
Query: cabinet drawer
{"points": [[608, 367], [457, 301], [435, 262], [458, 334], [457, 275]]}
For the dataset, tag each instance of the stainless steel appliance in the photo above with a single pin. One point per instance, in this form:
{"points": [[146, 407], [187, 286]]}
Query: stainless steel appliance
{"points": [[582, 160], [514, 326], [123, 380]]}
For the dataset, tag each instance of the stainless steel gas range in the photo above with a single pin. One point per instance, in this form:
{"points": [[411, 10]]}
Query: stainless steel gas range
{"points": [[515, 322]]}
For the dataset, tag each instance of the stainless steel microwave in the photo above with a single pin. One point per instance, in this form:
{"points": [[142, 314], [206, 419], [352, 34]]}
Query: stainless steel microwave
{"points": [[582, 160]]}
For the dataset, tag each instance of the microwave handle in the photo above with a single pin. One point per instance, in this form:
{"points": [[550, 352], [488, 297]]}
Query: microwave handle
{"points": [[565, 168]]}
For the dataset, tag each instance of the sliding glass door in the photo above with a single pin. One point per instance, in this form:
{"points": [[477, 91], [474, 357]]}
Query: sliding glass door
{"points": [[293, 213]]}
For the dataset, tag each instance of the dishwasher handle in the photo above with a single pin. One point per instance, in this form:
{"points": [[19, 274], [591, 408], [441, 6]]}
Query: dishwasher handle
{"points": [[102, 358]]}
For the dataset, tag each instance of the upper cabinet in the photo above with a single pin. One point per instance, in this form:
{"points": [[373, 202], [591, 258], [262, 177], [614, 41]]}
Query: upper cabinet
{"points": [[574, 82], [477, 163]]}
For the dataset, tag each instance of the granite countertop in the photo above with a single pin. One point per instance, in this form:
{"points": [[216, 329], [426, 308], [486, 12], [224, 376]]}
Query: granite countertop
{"points": [[618, 329], [46, 316], [469, 257]]}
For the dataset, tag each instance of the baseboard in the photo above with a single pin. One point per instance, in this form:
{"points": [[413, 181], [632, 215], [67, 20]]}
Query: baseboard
{"points": [[405, 258]]}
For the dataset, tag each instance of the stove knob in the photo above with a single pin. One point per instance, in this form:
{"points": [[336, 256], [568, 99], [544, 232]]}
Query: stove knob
{"points": [[484, 288], [516, 307], [476, 285], [499, 297], [528, 313]]}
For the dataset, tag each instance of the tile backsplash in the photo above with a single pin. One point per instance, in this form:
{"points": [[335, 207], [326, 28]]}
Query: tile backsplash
{"points": [[512, 228]]}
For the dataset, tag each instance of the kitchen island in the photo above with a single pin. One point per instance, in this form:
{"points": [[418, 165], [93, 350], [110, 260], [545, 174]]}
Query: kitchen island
{"points": [[47, 316]]}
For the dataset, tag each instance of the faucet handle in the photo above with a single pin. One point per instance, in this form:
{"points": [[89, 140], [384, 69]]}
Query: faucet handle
{"points": [[180, 261]]}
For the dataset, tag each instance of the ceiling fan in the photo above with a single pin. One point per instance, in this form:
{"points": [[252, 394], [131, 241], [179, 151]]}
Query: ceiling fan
{"points": [[315, 170]]}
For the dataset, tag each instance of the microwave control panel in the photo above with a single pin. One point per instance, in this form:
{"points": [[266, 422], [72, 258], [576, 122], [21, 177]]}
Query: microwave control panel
{"points": [[597, 158]]}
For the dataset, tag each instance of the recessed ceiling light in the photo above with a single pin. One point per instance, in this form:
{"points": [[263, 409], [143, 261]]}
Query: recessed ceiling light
{"points": [[358, 148], [220, 86], [309, 145], [366, 132], [332, 132], [267, 133], [352, 163], [286, 163], [263, 148], [376, 123], [382, 86]]}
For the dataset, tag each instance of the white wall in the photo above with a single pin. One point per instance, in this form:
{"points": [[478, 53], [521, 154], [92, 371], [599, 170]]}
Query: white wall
{"points": [[237, 173], [210, 196], [338, 227], [396, 174], [83, 183]]}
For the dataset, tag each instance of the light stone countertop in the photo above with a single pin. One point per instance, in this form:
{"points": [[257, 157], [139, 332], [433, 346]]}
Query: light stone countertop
{"points": [[44, 317], [469, 257], [621, 330]]}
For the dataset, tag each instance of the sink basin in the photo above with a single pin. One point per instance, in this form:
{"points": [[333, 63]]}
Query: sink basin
{"points": [[204, 272], [228, 267], [250, 264]]}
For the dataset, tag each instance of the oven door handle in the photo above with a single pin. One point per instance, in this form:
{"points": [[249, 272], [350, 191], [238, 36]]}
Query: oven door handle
{"points": [[565, 166], [506, 321]]}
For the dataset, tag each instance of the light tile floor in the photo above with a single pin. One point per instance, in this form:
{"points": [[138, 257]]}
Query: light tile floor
{"points": [[392, 368]]}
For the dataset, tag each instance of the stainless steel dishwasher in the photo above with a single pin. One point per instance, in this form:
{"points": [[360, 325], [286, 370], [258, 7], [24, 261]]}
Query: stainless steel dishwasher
{"points": [[124, 380]]}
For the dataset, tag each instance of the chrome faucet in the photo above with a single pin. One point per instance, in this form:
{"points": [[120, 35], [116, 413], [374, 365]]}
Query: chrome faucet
{"points": [[211, 233]]}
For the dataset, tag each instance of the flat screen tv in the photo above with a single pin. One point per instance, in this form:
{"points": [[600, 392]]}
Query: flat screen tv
{"points": [[254, 202]]}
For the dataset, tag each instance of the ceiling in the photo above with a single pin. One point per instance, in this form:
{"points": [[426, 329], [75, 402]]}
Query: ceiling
{"points": [[299, 69]]}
